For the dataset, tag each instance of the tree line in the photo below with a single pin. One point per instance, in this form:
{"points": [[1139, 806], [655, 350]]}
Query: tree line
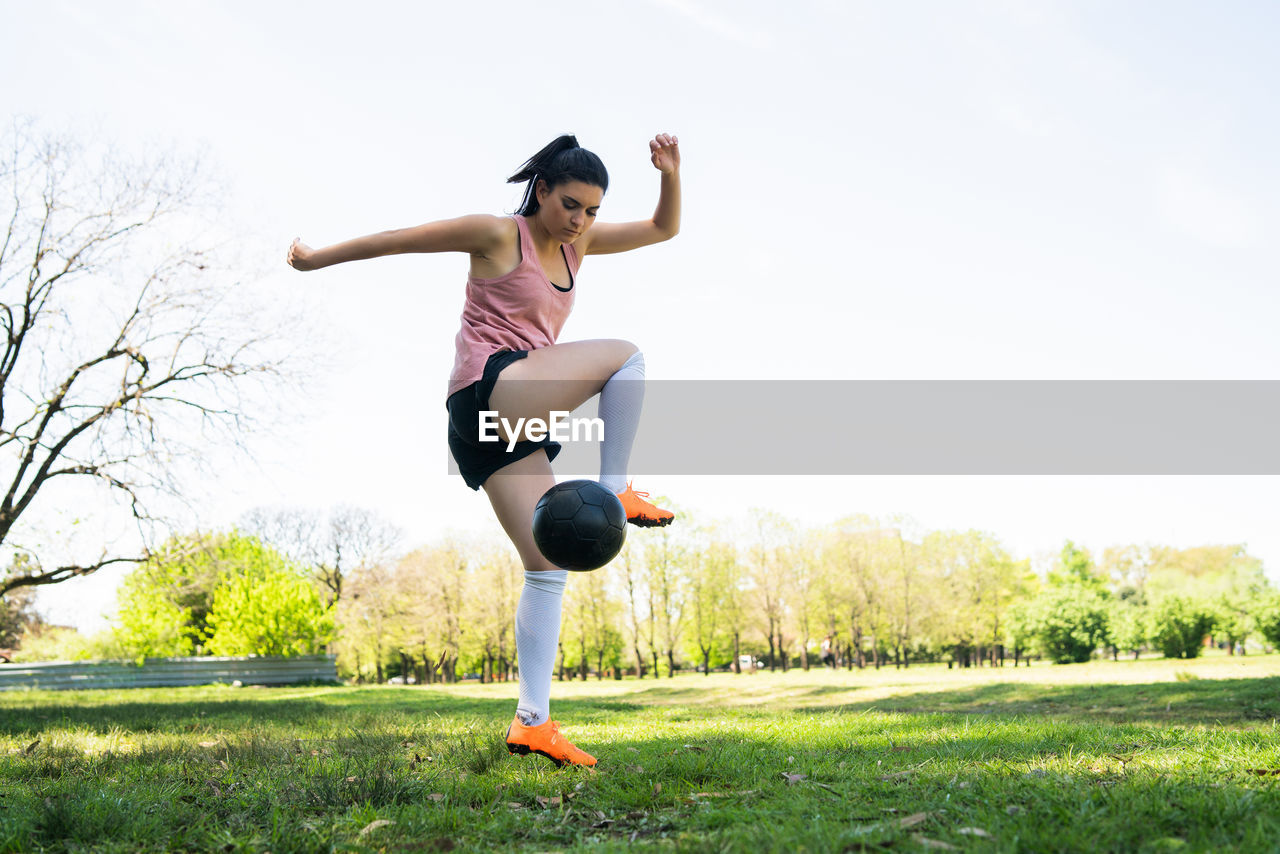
{"points": [[764, 592]]}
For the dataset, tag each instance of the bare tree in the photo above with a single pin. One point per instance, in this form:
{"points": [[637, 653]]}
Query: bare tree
{"points": [[335, 544], [126, 349]]}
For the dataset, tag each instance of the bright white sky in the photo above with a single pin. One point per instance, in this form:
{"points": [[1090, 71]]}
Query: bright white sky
{"points": [[972, 190]]}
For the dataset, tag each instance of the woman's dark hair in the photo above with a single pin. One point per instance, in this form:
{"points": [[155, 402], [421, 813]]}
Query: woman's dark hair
{"points": [[561, 160]]}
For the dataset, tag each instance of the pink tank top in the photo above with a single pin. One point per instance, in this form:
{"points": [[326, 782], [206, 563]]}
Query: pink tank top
{"points": [[519, 311]]}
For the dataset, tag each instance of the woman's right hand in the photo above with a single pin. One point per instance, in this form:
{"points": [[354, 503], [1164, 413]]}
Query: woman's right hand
{"points": [[300, 256]]}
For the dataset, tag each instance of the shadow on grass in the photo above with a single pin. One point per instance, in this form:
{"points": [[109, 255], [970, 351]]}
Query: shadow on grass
{"points": [[1232, 702], [1039, 767], [222, 710], [1208, 701]]}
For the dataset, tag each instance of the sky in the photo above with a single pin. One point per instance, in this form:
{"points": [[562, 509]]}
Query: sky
{"points": [[917, 190]]}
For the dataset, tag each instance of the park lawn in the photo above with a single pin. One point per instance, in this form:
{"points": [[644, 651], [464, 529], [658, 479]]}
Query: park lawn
{"points": [[1125, 756]]}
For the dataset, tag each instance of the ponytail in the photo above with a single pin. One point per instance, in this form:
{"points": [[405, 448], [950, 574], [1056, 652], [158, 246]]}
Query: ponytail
{"points": [[560, 160]]}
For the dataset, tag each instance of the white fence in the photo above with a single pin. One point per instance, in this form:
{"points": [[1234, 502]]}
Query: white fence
{"points": [[163, 672]]}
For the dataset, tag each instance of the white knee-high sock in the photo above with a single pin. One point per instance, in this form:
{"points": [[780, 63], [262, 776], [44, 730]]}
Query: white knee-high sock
{"points": [[620, 403], [537, 640]]}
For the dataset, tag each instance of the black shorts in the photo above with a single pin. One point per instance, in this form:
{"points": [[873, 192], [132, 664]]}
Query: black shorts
{"points": [[477, 460]]}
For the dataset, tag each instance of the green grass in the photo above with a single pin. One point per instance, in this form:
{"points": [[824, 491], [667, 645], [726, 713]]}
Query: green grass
{"points": [[1128, 756]]}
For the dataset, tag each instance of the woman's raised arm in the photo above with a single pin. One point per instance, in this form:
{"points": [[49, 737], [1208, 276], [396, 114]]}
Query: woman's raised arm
{"points": [[477, 234], [606, 237]]}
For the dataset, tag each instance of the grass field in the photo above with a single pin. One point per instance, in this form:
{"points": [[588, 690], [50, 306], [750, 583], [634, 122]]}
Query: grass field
{"points": [[1129, 756]]}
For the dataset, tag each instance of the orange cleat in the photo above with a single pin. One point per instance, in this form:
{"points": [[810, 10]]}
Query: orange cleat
{"points": [[547, 740], [641, 512]]}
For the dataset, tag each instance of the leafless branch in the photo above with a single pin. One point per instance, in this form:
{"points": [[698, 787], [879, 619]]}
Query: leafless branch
{"points": [[119, 340]]}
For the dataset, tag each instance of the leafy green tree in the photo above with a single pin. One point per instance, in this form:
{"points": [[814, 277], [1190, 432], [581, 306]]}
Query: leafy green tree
{"points": [[225, 594], [1076, 568], [1065, 623], [1268, 619], [710, 598], [150, 623], [269, 608], [1130, 626], [1180, 625]]}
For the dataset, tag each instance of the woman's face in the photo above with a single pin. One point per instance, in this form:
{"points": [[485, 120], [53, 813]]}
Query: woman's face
{"points": [[567, 210]]}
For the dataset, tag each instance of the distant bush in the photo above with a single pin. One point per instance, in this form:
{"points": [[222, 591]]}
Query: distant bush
{"points": [[1268, 621], [1180, 625], [1065, 624], [225, 594]]}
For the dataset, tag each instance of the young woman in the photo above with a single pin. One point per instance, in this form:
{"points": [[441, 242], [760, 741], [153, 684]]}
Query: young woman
{"points": [[519, 293]]}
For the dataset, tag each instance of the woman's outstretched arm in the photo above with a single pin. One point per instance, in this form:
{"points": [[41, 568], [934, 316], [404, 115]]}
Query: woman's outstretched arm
{"points": [[477, 234], [606, 237]]}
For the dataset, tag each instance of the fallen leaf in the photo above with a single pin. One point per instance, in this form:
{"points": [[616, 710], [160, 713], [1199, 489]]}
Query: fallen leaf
{"points": [[515, 806], [549, 802], [352, 779], [694, 748], [657, 789], [31, 747], [604, 822], [792, 779], [974, 831], [436, 796], [710, 794], [1014, 809], [934, 843], [635, 769], [913, 819], [374, 825], [633, 750], [208, 744], [1261, 772]]}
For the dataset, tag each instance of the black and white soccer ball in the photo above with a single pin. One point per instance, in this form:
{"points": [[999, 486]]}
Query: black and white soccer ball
{"points": [[579, 525]]}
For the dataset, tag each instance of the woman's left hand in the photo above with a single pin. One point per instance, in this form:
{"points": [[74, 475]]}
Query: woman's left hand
{"points": [[664, 151]]}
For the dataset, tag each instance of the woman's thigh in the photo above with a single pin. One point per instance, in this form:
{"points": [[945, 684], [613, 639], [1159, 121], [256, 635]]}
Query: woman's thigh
{"points": [[514, 491], [557, 378]]}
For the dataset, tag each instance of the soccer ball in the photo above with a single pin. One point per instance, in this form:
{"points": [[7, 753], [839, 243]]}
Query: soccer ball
{"points": [[579, 525]]}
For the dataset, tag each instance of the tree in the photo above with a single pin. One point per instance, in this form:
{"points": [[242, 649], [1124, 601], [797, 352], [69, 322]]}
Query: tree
{"points": [[164, 604], [127, 348], [1130, 627], [17, 609], [1179, 626], [1076, 567], [334, 544], [637, 594], [225, 594], [1268, 619], [713, 573], [269, 607], [665, 560], [1066, 623], [769, 579]]}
